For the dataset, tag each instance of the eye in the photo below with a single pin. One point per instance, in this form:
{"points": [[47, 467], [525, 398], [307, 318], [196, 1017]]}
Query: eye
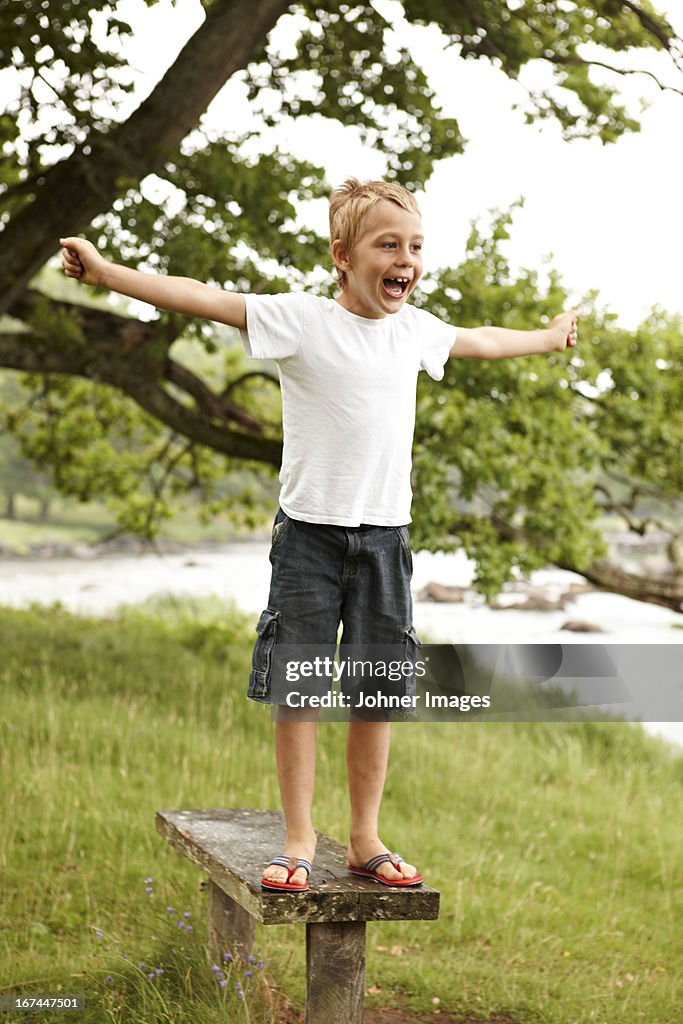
{"points": [[417, 246], [389, 245]]}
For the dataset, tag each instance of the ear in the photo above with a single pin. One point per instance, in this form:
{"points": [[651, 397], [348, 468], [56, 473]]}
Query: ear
{"points": [[340, 255]]}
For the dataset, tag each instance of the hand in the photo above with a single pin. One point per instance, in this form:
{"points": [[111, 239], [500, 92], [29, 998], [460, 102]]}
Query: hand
{"points": [[564, 330], [80, 259]]}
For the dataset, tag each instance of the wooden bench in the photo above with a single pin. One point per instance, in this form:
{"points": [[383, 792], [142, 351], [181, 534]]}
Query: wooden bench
{"points": [[233, 846]]}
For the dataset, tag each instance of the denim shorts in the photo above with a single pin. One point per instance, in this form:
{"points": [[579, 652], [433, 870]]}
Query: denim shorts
{"points": [[324, 576]]}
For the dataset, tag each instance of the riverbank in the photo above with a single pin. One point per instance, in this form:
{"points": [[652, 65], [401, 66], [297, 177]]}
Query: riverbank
{"points": [[95, 579]]}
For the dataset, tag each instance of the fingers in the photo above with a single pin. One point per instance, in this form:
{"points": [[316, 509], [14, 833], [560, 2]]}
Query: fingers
{"points": [[572, 336], [72, 265], [71, 262]]}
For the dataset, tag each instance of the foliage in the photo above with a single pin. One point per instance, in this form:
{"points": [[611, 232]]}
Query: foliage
{"points": [[544, 444], [98, 444], [17, 473]]}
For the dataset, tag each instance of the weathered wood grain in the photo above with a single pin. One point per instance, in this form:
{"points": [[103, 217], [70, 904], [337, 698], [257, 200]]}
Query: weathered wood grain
{"points": [[234, 845], [231, 927], [335, 972]]}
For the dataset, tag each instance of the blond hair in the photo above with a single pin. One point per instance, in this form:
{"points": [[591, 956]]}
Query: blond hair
{"points": [[351, 203]]}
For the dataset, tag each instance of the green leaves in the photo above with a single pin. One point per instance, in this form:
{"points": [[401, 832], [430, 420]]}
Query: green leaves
{"points": [[516, 460], [568, 38], [71, 73], [347, 67], [98, 445]]}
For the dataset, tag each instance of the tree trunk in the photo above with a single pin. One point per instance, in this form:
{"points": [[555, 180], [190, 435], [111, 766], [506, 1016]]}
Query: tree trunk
{"points": [[73, 192]]}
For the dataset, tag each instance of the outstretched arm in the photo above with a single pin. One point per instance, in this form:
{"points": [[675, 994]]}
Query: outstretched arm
{"points": [[82, 261], [502, 343]]}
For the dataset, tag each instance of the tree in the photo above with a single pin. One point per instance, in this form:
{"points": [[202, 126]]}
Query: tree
{"points": [[532, 452], [71, 163]]}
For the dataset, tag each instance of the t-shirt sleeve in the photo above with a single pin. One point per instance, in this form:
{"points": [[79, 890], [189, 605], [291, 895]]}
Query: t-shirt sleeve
{"points": [[436, 341], [275, 325]]}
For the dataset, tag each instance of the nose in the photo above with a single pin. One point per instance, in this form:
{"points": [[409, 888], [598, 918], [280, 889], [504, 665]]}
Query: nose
{"points": [[405, 257]]}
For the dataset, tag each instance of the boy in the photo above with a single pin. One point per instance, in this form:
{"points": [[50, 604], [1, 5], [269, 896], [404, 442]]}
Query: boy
{"points": [[348, 369]]}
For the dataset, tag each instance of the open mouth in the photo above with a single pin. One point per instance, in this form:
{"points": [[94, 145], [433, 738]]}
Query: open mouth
{"points": [[396, 287]]}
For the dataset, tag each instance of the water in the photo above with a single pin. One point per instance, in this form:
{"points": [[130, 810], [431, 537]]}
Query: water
{"points": [[241, 571]]}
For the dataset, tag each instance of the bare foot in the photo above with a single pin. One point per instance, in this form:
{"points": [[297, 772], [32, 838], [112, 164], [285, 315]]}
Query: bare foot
{"points": [[294, 848], [362, 848]]}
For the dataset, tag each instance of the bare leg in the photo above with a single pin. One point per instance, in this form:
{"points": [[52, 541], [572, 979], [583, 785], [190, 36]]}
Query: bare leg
{"points": [[295, 743], [367, 756]]}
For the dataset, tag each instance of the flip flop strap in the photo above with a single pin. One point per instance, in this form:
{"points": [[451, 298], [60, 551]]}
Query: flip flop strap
{"points": [[280, 862], [381, 858], [285, 862]]}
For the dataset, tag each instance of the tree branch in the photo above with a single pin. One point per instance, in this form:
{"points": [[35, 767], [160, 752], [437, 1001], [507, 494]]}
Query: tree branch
{"points": [[667, 591], [650, 24], [216, 406], [156, 401], [625, 508], [247, 376], [619, 71], [129, 355]]}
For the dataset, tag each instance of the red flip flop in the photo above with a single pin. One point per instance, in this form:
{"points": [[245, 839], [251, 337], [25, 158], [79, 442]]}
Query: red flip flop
{"points": [[369, 870], [285, 862]]}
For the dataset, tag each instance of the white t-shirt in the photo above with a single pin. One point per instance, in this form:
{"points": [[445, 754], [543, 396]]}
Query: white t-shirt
{"points": [[348, 402]]}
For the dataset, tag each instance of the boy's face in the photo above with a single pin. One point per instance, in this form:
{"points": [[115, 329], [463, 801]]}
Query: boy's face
{"points": [[384, 265]]}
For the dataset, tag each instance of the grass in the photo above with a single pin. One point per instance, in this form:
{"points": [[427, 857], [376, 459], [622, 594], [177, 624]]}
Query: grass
{"points": [[71, 522], [556, 847]]}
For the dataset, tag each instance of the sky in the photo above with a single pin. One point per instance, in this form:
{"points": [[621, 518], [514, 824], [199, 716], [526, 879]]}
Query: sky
{"points": [[609, 217]]}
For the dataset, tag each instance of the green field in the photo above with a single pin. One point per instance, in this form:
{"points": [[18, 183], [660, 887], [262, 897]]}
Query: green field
{"points": [[71, 522], [558, 848]]}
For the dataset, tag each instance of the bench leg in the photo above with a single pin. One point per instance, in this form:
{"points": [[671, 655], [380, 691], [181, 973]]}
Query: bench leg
{"points": [[231, 928], [335, 972]]}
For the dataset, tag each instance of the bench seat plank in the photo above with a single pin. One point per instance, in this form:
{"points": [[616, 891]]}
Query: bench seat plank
{"points": [[233, 845]]}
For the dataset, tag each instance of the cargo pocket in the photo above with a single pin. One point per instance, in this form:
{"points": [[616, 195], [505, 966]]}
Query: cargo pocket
{"points": [[259, 680]]}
